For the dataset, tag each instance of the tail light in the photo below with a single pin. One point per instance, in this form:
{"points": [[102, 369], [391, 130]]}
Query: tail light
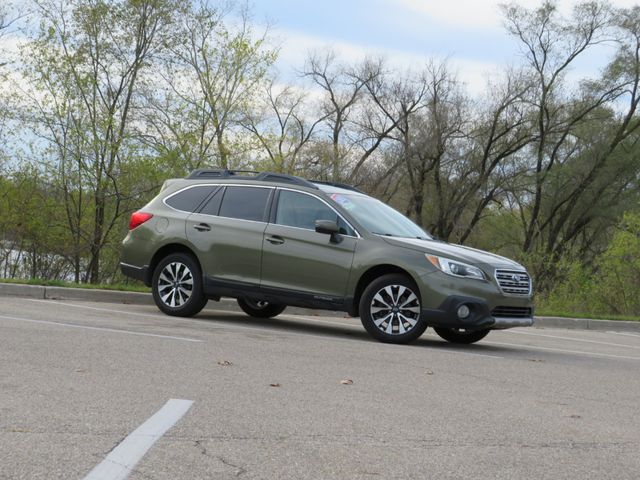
{"points": [[138, 218]]}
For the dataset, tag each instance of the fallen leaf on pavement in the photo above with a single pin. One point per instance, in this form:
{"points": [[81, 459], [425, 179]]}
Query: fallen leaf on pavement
{"points": [[429, 372], [225, 363], [346, 381], [274, 384]]}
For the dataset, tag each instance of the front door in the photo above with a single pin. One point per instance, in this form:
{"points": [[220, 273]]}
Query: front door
{"points": [[296, 258]]}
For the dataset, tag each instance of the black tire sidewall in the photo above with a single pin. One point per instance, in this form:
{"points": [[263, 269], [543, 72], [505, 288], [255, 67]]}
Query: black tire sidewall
{"points": [[365, 304], [269, 311], [196, 302], [467, 338]]}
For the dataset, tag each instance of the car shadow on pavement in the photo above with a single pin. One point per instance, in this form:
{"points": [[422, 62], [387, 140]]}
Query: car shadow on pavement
{"points": [[350, 331]]}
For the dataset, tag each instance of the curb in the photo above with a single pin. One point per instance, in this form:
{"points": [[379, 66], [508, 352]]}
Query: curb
{"points": [[587, 324], [107, 296], [137, 298]]}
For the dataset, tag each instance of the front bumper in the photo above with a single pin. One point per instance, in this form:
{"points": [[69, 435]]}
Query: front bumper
{"points": [[480, 316]]}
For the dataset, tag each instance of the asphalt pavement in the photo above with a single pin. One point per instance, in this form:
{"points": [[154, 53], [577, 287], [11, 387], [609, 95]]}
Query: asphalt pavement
{"points": [[86, 385]]}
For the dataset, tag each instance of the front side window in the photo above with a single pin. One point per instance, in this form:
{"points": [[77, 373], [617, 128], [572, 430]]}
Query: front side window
{"points": [[302, 211], [245, 203]]}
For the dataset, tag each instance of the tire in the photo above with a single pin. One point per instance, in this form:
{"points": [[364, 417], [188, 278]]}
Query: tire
{"points": [[260, 309], [390, 309], [177, 286], [459, 335]]}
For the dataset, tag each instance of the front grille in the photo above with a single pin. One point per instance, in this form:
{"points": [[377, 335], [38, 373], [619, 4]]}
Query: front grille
{"points": [[511, 312], [514, 282]]}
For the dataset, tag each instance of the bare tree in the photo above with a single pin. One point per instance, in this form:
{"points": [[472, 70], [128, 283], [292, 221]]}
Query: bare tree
{"points": [[551, 44], [499, 131], [283, 126], [354, 131], [211, 73], [430, 123]]}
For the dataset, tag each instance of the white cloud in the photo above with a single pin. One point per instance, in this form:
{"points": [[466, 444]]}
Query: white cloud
{"points": [[296, 46], [479, 14]]}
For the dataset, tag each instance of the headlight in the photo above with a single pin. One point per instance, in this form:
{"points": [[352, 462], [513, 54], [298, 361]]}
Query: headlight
{"points": [[455, 268]]}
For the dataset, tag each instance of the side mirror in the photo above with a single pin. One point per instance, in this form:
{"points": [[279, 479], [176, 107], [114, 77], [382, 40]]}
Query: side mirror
{"points": [[329, 228]]}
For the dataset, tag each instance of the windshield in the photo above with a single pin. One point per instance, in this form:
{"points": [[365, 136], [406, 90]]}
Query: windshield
{"points": [[378, 217]]}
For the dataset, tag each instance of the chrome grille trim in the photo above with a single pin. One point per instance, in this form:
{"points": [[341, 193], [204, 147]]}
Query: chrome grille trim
{"points": [[513, 282]]}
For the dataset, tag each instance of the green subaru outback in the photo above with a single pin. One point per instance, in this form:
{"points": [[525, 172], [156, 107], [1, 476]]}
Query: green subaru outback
{"points": [[272, 240]]}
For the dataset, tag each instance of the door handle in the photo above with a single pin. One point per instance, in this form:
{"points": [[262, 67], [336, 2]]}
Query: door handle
{"points": [[275, 240], [202, 227]]}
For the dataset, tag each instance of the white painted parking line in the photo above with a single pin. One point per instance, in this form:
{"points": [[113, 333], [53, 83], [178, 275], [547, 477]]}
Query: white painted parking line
{"points": [[103, 329], [626, 334], [97, 309], [536, 347], [120, 462], [573, 339]]}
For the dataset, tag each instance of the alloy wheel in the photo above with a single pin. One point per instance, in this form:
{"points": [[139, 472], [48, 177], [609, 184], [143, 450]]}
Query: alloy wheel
{"points": [[395, 309], [175, 284]]}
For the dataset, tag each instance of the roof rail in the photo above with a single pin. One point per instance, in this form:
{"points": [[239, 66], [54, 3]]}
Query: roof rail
{"points": [[259, 176], [339, 185], [216, 173], [283, 178]]}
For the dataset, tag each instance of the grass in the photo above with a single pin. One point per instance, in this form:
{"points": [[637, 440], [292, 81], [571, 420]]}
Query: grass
{"points": [[122, 287], [541, 312]]}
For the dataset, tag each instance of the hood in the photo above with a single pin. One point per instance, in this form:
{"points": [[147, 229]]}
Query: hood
{"points": [[454, 252]]}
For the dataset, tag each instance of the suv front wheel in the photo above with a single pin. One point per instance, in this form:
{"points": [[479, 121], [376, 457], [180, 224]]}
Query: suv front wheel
{"points": [[177, 286], [259, 308], [390, 309], [460, 335]]}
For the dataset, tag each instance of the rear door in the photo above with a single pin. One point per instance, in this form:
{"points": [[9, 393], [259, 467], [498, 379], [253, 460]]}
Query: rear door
{"points": [[297, 258], [227, 233]]}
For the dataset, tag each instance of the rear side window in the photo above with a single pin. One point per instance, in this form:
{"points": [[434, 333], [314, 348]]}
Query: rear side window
{"points": [[302, 211], [190, 199], [245, 203], [213, 204]]}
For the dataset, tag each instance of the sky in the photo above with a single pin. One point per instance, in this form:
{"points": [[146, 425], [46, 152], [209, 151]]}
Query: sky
{"points": [[468, 33]]}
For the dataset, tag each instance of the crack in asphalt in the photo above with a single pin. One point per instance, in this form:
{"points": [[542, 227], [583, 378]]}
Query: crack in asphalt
{"points": [[354, 440], [203, 450], [562, 444]]}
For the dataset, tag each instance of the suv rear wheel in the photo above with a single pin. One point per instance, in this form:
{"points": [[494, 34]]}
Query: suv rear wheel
{"points": [[460, 335], [177, 286], [260, 308], [390, 309]]}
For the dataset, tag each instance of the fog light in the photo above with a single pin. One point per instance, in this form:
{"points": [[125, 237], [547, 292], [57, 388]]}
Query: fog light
{"points": [[463, 311]]}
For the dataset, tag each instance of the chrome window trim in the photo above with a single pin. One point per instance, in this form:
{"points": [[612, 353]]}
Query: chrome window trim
{"points": [[327, 204], [164, 200]]}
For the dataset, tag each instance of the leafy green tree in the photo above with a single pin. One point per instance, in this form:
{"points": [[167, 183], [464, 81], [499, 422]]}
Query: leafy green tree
{"points": [[209, 78], [86, 63], [618, 277]]}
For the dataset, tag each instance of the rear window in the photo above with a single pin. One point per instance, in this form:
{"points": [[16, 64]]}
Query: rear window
{"points": [[245, 203], [190, 199]]}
